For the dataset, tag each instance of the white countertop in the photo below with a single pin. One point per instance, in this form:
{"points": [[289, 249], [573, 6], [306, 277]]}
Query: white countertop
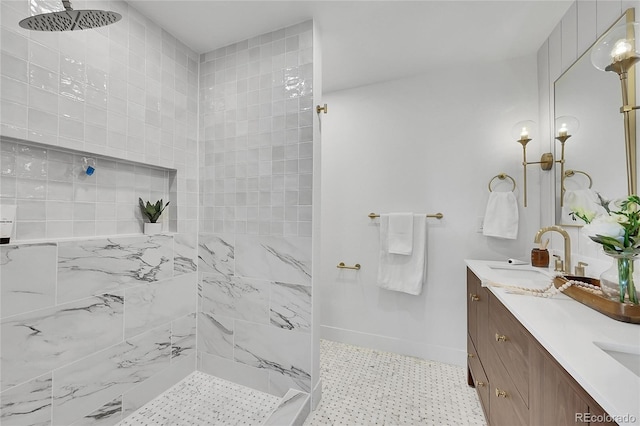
{"points": [[568, 329]]}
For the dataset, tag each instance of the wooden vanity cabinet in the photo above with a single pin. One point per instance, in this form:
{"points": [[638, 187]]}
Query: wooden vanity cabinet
{"points": [[477, 341], [517, 380]]}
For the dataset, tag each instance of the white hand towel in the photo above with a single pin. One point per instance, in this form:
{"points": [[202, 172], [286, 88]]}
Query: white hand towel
{"points": [[585, 199], [401, 233], [404, 273], [501, 216]]}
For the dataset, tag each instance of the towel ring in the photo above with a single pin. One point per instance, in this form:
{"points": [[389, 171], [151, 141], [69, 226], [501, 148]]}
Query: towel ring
{"points": [[570, 173], [502, 176]]}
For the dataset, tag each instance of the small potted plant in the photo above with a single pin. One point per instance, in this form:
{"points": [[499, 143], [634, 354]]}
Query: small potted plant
{"points": [[152, 212]]}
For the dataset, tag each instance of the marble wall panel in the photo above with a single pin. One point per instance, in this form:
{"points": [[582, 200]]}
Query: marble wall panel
{"points": [[85, 386], [150, 305], [28, 403], [242, 374], [183, 337], [152, 387], [215, 335], [38, 342], [283, 259], [216, 254], [235, 297], [291, 306], [24, 287], [91, 267], [107, 415], [285, 354], [185, 258]]}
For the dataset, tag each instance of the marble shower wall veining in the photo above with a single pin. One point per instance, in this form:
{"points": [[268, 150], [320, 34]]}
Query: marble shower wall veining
{"points": [[94, 329], [103, 324], [254, 248]]}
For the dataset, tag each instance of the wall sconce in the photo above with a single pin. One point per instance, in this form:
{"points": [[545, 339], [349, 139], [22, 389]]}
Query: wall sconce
{"points": [[618, 51], [524, 132], [566, 126]]}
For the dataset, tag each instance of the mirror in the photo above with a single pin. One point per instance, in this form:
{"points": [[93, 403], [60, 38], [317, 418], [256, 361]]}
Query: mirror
{"points": [[595, 155]]}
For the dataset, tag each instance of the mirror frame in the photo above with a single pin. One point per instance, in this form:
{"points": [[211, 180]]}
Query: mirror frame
{"points": [[631, 155]]}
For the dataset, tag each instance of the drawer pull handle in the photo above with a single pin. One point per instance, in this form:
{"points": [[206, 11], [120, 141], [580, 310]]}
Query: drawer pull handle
{"points": [[501, 393], [501, 338], [474, 297], [470, 355], [480, 384]]}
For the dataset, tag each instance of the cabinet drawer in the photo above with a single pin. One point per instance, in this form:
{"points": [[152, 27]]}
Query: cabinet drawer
{"points": [[506, 405], [480, 380], [510, 342]]}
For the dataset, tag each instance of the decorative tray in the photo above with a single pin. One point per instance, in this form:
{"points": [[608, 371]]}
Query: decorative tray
{"points": [[625, 312]]}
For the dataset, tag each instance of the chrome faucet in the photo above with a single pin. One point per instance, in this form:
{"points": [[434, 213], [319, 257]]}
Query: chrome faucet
{"points": [[567, 244]]}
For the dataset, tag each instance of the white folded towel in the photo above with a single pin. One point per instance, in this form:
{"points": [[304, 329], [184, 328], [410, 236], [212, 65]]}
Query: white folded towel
{"points": [[501, 216], [404, 273], [401, 233], [585, 199]]}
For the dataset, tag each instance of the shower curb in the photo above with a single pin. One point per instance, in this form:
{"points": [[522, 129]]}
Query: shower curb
{"points": [[293, 409]]}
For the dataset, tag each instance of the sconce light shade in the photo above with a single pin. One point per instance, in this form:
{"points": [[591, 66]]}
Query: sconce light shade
{"points": [[618, 49], [523, 130], [566, 126]]}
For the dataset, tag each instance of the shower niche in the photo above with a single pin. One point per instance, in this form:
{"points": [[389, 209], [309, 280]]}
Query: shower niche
{"points": [[63, 193]]}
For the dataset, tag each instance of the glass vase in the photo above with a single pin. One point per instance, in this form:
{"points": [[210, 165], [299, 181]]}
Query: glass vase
{"points": [[619, 282]]}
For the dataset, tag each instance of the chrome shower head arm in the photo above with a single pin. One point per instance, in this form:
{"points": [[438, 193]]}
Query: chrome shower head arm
{"points": [[67, 5]]}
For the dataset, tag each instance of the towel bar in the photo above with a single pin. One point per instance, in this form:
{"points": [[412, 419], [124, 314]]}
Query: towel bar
{"points": [[436, 215], [341, 265]]}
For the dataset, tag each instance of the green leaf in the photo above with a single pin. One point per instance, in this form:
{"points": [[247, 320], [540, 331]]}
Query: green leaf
{"points": [[152, 211], [608, 242]]}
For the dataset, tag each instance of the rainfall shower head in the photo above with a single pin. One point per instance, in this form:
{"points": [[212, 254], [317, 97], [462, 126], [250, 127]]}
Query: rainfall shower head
{"points": [[69, 19]]}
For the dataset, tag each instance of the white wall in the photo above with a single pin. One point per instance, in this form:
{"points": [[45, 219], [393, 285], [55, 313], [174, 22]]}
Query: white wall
{"points": [[583, 23], [430, 143]]}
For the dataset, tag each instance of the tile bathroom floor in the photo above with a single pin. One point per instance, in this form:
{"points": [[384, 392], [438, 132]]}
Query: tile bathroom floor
{"points": [[360, 386], [203, 400], [367, 387]]}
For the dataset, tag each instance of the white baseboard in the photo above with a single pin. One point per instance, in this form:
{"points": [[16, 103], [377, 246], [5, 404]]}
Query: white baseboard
{"points": [[422, 350]]}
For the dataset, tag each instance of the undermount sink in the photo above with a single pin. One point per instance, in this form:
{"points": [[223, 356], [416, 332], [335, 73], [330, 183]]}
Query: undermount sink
{"points": [[628, 356], [517, 272]]}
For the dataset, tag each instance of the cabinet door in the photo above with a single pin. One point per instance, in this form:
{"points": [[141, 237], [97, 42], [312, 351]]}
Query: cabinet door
{"points": [[511, 343], [473, 287], [482, 315], [553, 400], [478, 378], [556, 398], [506, 406]]}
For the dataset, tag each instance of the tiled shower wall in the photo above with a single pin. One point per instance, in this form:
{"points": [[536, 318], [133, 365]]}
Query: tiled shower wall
{"points": [[55, 198], [128, 90], [256, 140], [97, 329]]}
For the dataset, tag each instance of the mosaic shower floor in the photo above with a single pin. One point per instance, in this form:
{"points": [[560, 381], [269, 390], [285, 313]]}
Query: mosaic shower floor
{"points": [[203, 400], [367, 387], [360, 387]]}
